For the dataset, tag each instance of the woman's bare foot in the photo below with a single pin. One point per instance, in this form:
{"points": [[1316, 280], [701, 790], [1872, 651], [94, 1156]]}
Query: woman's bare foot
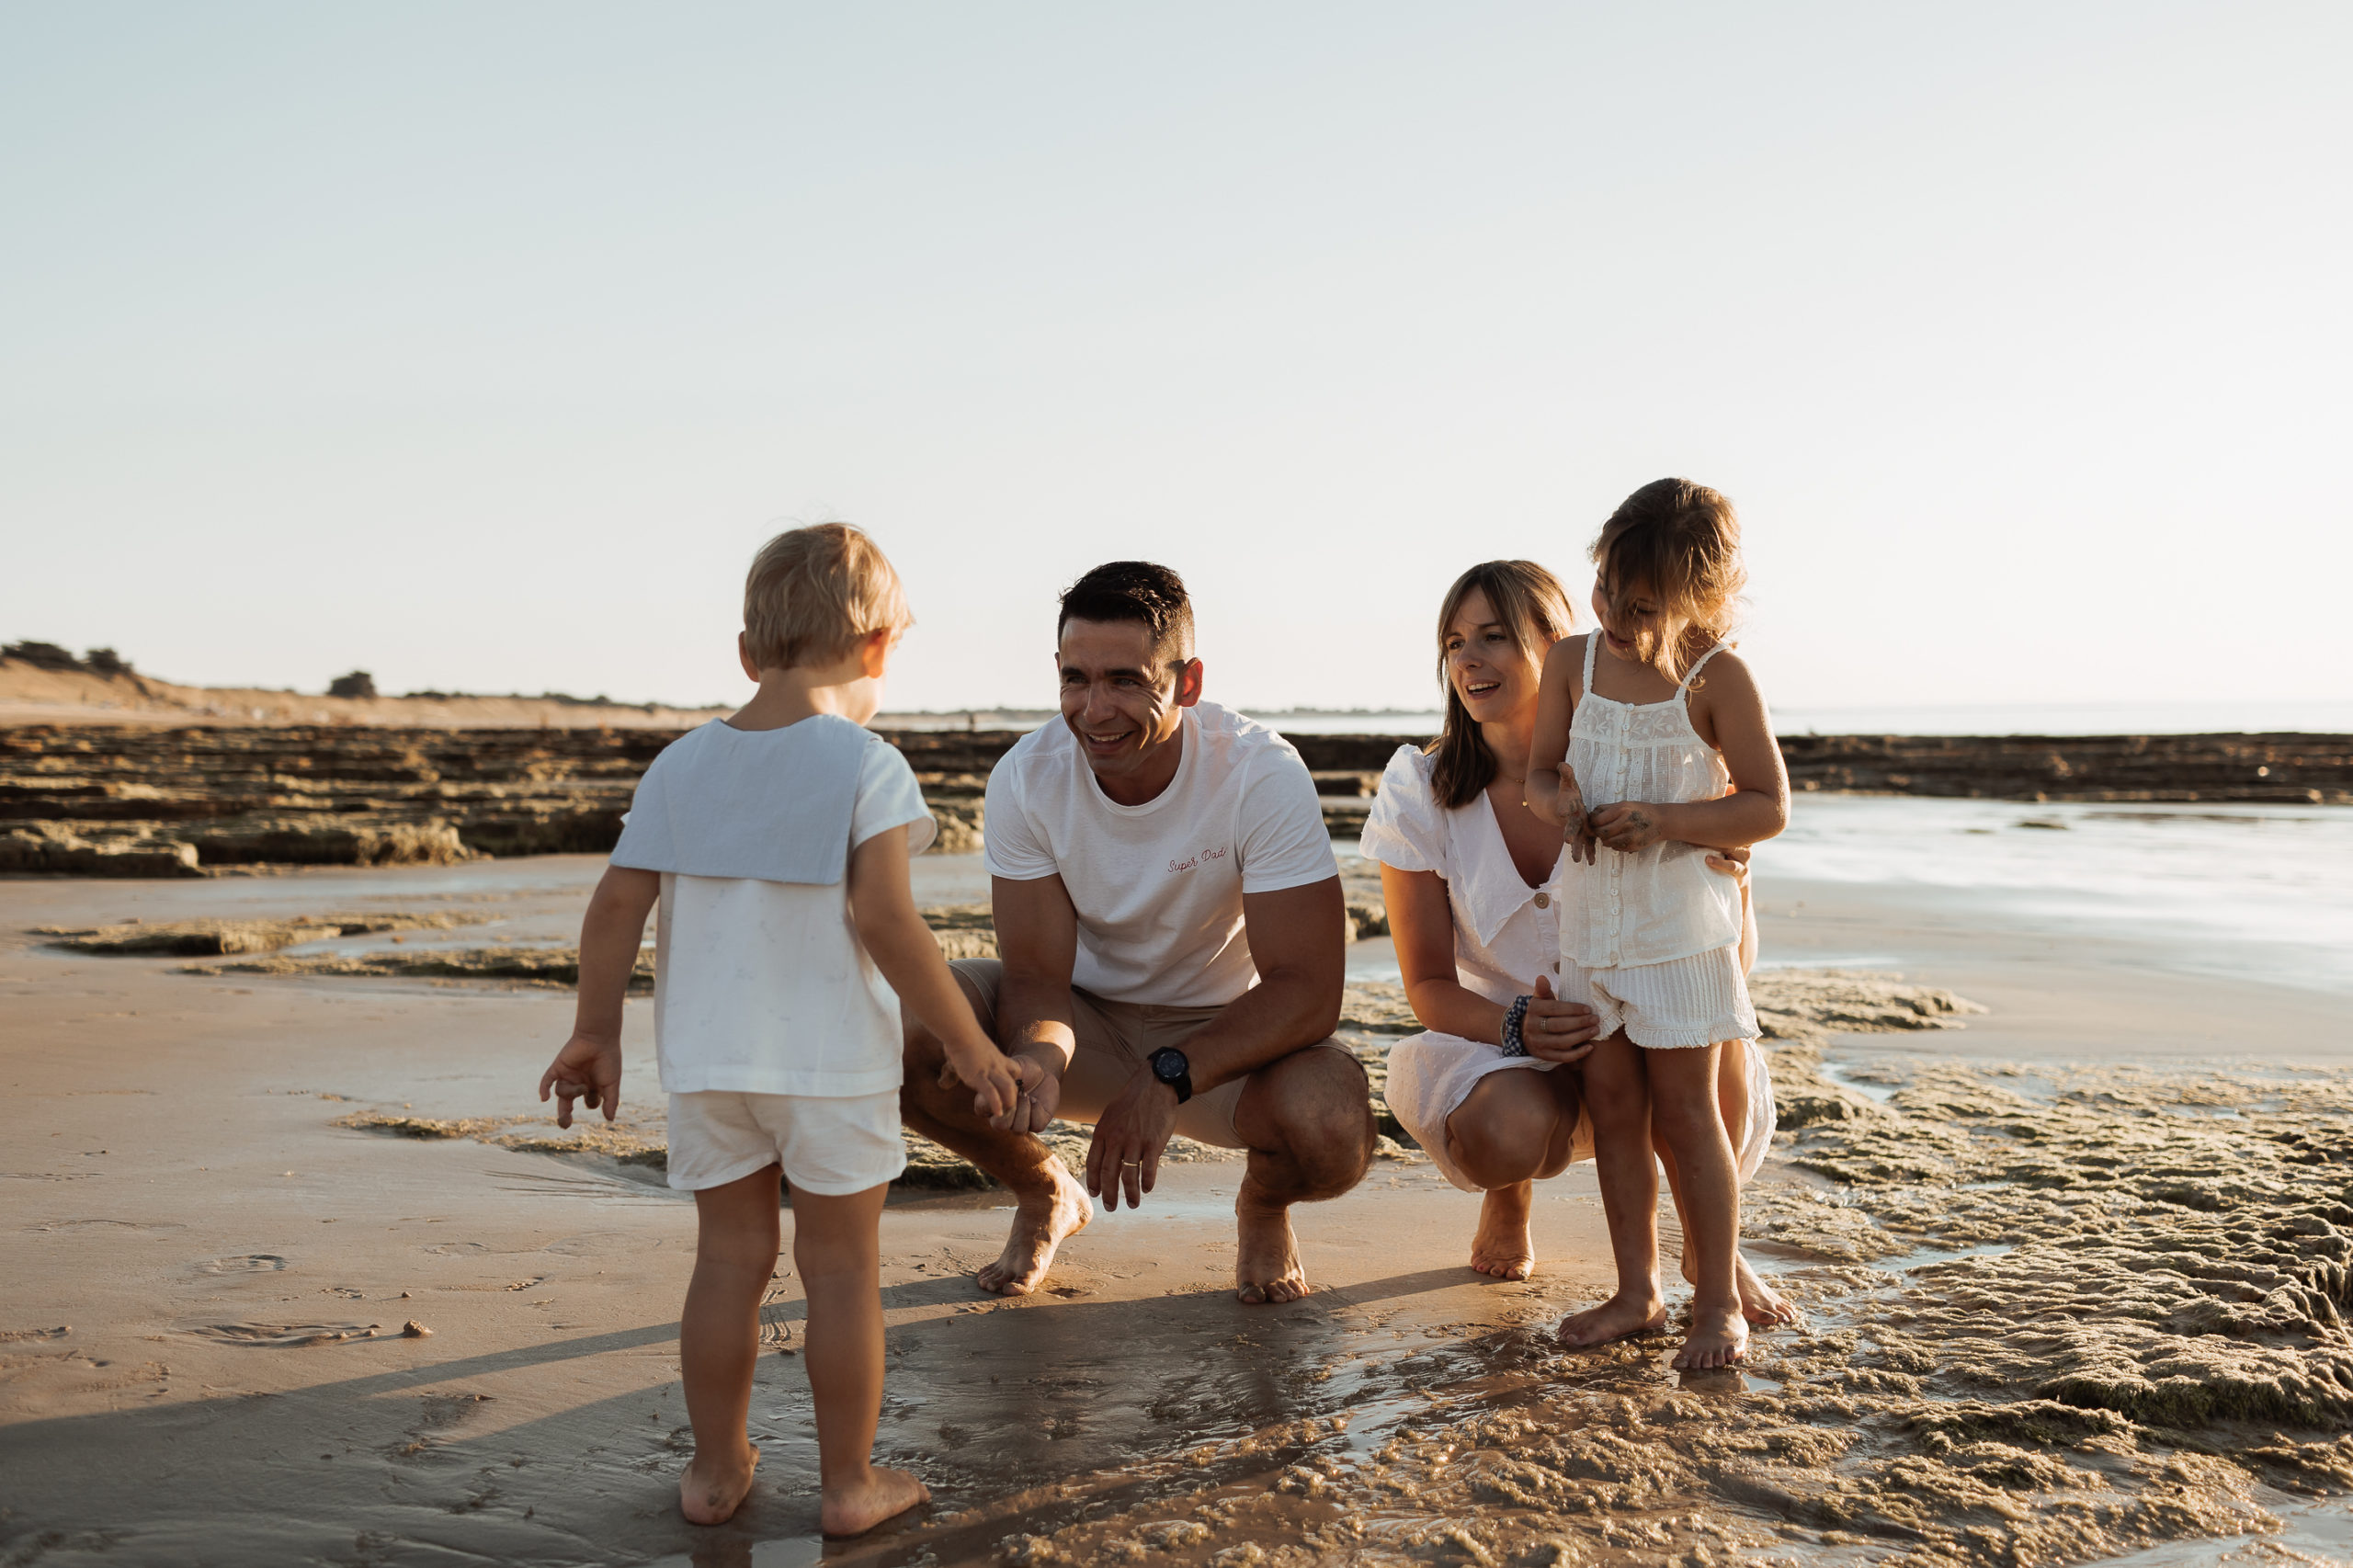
{"points": [[1759, 1302], [1503, 1247], [853, 1510], [1718, 1337], [715, 1486], [1040, 1226], [1265, 1256], [1622, 1316]]}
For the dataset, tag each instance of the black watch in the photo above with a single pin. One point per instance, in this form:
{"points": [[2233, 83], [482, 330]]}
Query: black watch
{"points": [[1169, 1065]]}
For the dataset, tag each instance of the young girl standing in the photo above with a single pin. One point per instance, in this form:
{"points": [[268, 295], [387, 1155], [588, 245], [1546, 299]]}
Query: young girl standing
{"points": [[1643, 764]]}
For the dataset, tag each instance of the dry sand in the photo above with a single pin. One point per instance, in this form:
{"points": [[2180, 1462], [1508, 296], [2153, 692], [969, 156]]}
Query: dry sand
{"points": [[2075, 1284]]}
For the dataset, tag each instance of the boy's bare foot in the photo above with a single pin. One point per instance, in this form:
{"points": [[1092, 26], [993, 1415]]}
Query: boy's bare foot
{"points": [[715, 1485], [1759, 1302], [1040, 1225], [1503, 1247], [1265, 1256], [1718, 1337], [1622, 1316], [883, 1493]]}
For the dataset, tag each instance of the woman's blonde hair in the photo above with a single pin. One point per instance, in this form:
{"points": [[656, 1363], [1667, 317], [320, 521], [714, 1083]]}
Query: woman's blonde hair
{"points": [[813, 593], [1681, 541], [1531, 601]]}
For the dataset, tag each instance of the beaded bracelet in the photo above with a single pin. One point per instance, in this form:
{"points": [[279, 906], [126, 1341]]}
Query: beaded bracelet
{"points": [[1513, 1016]]}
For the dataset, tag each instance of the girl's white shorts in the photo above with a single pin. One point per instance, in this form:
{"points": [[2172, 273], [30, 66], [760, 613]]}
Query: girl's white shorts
{"points": [[1683, 1003], [828, 1145]]}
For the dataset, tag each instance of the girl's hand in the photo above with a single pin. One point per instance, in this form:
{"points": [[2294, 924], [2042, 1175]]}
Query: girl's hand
{"points": [[1733, 863], [1576, 821], [588, 1070], [1554, 1030], [1629, 826]]}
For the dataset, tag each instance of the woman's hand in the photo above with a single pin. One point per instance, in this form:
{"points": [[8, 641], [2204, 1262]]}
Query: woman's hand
{"points": [[1631, 825], [1733, 863], [1554, 1030]]}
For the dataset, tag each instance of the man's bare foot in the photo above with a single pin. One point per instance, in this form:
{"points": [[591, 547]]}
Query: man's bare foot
{"points": [[853, 1510], [715, 1485], [1040, 1225], [1503, 1247], [1265, 1256], [1759, 1302], [1718, 1337], [1622, 1316]]}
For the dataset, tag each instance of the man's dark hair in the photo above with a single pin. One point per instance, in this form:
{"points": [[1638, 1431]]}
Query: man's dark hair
{"points": [[1138, 591]]}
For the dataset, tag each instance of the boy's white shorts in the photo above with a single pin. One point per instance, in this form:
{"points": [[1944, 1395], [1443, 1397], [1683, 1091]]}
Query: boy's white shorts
{"points": [[828, 1146], [1678, 1005]]}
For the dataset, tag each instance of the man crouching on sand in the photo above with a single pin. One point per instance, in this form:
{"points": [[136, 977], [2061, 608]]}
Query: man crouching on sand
{"points": [[1169, 926]]}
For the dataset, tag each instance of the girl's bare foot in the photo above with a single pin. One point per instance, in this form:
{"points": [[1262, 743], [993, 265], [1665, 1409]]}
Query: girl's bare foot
{"points": [[715, 1485], [1040, 1226], [878, 1494], [1503, 1247], [1265, 1256], [1718, 1337], [1759, 1302], [1622, 1316]]}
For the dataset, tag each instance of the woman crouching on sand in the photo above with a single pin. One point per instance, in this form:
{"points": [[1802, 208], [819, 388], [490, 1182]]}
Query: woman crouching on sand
{"points": [[1472, 879]]}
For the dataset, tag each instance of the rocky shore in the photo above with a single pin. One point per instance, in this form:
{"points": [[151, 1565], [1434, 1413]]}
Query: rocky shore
{"points": [[147, 801]]}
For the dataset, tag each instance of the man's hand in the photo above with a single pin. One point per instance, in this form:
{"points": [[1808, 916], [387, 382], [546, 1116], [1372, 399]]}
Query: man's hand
{"points": [[588, 1070], [994, 1077], [1554, 1030], [1125, 1154], [1034, 1096], [1630, 825]]}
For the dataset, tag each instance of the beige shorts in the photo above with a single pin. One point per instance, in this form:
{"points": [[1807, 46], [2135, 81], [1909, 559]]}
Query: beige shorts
{"points": [[1114, 1040], [828, 1145]]}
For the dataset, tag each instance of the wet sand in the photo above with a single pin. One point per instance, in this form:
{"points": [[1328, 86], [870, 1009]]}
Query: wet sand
{"points": [[197, 1253]]}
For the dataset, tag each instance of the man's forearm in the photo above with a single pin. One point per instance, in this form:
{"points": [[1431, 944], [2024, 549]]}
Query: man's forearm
{"points": [[1265, 1023], [1033, 1018]]}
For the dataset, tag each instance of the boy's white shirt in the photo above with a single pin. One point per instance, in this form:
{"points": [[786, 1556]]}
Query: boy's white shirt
{"points": [[762, 986], [1158, 887]]}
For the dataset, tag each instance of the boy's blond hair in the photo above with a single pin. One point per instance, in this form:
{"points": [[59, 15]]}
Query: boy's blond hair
{"points": [[813, 593]]}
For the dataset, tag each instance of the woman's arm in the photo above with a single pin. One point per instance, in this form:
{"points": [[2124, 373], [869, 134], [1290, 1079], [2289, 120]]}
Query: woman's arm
{"points": [[1421, 925]]}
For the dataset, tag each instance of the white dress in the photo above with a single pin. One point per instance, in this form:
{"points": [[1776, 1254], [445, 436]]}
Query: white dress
{"points": [[1506, 934]]}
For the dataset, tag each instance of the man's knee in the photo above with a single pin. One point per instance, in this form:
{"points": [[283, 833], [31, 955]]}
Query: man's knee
{"points": [[1320, 1108]]}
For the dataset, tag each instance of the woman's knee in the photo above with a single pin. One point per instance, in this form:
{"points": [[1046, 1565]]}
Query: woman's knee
{"points": [[1503, 1133]]}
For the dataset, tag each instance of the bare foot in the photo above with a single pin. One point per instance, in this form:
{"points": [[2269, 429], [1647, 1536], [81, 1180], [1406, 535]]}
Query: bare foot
{"points": [[1622, 1316], [1503, 1247], [1718, 1337], [715, 1486], [853, 1510], [1759, 1302], [1040, 1225], [1265, 1256]]}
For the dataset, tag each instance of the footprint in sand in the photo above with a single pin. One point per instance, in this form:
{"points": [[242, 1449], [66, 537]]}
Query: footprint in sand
{"points": [[287, 1335], [246, 1263]]}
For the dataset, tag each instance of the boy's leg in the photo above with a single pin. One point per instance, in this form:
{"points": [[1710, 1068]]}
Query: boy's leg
{"points": [[719, 1338], [837, 1247], [1618, 1096], [1684, 1108]]}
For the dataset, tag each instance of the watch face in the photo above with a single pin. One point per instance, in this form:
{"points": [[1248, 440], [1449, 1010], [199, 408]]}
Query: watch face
{"points": [[1168, 1064]]}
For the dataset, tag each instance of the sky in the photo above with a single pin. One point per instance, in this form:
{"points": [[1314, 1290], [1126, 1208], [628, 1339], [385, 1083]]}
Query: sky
{"points": [[479, 345]]}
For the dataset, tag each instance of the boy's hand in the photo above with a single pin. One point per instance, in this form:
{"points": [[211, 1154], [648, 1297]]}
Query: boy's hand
{"points": [[585, 1070], [994, 1078]]}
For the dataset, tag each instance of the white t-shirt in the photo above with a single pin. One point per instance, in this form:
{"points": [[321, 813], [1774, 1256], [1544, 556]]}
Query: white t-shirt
{"points": [[1158, 887], [763, 987]]}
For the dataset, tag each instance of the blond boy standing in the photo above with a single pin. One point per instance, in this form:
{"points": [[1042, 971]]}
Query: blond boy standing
{"points": [[776, 844]]}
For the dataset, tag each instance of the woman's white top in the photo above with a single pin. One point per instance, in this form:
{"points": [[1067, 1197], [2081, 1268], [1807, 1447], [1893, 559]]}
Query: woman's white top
{"points": [[1663, 903], [1505, 933], [761, 985]]}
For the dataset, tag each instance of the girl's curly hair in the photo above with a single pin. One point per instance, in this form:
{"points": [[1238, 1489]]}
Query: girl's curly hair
{"points": [[1681, 542]]}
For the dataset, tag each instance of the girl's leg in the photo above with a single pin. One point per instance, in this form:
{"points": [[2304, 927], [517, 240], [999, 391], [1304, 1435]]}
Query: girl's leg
{"points": [[1685, 1109], [1510, 1129], [719, 1338], [1618, 1094], [837, 1247], [1759, 1302]]}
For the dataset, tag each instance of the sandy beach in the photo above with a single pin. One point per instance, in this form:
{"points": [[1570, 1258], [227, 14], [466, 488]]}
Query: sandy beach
{"points": [[214, 1260]]}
